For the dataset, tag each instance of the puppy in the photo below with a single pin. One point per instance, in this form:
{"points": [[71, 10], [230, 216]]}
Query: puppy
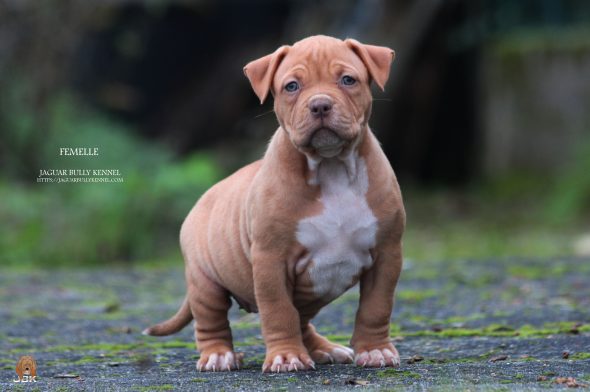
{"points": [[321, 211]]}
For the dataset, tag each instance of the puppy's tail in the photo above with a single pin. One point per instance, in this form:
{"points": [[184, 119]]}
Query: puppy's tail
{"points": [[172, 325]]}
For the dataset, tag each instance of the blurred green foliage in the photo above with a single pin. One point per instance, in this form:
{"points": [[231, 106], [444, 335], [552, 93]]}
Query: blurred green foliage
{"points": [[78, 223], [522, 41], [527, 214], [517, 214]]}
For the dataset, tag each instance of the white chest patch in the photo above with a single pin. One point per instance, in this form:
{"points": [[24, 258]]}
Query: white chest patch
{"points": [[339, 239]]}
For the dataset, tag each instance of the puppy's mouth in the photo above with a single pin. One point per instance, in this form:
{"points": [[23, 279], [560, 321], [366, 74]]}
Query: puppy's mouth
{"points": [[326, 143]]}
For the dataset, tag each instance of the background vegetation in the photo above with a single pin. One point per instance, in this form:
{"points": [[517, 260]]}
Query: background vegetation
{"points": [[59, 88]]}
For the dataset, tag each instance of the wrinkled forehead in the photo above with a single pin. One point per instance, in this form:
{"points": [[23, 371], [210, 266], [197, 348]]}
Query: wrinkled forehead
{"points": [[319, 56]]}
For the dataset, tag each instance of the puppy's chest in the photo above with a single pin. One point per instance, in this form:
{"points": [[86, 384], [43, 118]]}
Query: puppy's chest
{"points": [[338, 239]]}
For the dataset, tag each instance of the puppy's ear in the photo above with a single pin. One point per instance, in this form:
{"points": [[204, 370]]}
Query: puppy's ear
{"points": [[262, 71], [377, 59], [19, 369], [33, 367]]}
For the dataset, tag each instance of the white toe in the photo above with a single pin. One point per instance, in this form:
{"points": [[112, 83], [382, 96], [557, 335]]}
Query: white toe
{"points": [[212, 362]]}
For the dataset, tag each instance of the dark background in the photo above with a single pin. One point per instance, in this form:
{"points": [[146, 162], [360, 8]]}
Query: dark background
{"points": [[484, 118]]}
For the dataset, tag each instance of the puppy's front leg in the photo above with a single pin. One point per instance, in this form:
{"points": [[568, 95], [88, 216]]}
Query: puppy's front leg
{"points": [[280, 322], [370, 340]]}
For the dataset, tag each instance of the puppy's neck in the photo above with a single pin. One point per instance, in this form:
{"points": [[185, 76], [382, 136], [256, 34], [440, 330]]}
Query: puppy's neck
{"points": [[284, 155], [349, 160]]}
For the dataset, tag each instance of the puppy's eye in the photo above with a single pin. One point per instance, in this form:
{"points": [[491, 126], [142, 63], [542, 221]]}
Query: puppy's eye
{"points": [[292, 87], [347, 80]]}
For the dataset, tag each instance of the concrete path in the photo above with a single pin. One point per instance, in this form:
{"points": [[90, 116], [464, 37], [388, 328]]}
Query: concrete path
{"points": [[461, 325]]}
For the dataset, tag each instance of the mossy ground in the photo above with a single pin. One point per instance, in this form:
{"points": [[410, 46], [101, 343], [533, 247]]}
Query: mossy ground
{"points": [[496, 324]]}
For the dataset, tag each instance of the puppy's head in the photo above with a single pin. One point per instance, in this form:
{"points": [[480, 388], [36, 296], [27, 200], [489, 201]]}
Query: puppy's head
{"points": [[321, 90], [26, 366]]}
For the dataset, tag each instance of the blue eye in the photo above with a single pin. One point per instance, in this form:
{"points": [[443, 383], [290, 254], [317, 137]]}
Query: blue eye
{"points": [[292, 87], [348, 80]]}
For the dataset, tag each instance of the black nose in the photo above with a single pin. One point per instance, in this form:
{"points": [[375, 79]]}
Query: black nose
{"points": [[320, 106]]}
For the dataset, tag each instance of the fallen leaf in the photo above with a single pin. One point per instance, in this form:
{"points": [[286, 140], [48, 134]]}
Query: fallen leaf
{"points": [[570, 382], [122, 329], [499, 358], [414, 359], [503, 328], [112, 307], [575, 329], [542, 378], [356, 381]]}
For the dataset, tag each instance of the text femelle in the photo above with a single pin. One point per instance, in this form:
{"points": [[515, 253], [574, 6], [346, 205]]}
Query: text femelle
{"points": [[78, 151]]}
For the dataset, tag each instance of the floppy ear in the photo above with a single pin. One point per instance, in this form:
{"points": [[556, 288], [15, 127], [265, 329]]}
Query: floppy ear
{"points": [[261, 72], [377, 59], [19, 368], [33, 367]]}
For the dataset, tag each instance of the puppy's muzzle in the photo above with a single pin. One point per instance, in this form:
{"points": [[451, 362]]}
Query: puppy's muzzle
{"points": [[320, 106], [325, 138]]}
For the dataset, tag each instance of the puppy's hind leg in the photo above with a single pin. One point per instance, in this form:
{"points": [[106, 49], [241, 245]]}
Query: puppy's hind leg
{"points": [[322, 350], [209, 304]]}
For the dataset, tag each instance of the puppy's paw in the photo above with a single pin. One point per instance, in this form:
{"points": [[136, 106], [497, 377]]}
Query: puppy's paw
{"points": [[378, 357], [219, 361], [288, 360], [332, 353]]}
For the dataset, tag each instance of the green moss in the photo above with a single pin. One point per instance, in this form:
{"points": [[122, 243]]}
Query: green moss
{"points": [[394, 373], [257, 359], [249, 341], [112, 347], [349, 296], [463, 319], [87, 359], [163, 387], [394, 329], [494, 330], [245, 325], [535, 272], [526, 359], [338, 338], [199, 380], [18, 341], [177, 344], [456, 333], [37, 313], [415, 296], [567, 326], [580, 356]]}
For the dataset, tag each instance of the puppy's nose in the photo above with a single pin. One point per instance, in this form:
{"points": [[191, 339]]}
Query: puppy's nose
{"points": [[320, 105]]}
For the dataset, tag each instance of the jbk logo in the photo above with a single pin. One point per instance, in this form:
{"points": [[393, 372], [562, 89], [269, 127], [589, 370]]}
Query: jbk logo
{"points": [[26, 369]]}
